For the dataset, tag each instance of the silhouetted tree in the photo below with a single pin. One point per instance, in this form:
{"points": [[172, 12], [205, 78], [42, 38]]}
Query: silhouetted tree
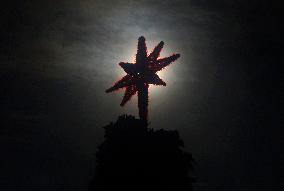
{"points": [[135, 157]]}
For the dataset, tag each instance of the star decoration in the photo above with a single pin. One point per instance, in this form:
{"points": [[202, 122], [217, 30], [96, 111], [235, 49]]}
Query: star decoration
{"points": [[142, 73]]}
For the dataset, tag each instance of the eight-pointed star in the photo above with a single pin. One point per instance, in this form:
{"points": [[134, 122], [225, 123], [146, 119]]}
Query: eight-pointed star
{"points": [[143, 72]]}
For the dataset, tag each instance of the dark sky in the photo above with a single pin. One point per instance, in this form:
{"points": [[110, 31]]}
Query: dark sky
{"points": [[222, 95]]}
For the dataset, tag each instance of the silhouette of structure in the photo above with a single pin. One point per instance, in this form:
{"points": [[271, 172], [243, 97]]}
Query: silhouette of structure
{"points": [[141, 74], [133, 157]]}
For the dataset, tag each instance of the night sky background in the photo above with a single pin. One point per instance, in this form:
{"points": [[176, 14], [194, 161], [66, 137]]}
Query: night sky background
{"points": [[222, 95]]}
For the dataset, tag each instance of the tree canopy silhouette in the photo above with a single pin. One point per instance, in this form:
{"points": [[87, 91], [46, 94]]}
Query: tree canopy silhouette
{"points": [[135, 157]]}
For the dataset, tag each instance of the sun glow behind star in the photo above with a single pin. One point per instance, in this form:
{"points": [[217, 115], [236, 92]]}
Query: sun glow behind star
{"points": [[125, 29]]}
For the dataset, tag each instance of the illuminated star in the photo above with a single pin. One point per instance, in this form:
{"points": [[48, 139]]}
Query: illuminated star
{"points": [[142, 73]]}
